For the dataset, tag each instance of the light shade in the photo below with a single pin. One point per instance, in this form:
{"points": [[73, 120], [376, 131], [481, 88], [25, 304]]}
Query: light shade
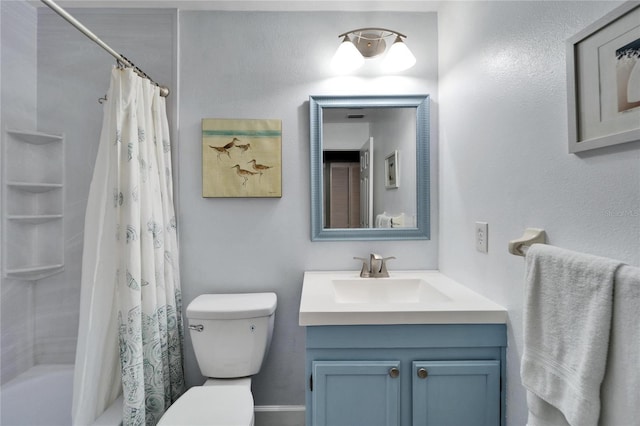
{"points": [[369, 43], [347, 58], [399, 57]]}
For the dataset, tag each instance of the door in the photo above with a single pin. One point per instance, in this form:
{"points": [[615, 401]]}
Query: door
{"points": [[356, 393], [456, 393], [366, 184], [344, 195]]}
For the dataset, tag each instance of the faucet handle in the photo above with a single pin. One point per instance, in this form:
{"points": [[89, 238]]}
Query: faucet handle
{"points": [[375, 264], [383, 268], [364, 272]]}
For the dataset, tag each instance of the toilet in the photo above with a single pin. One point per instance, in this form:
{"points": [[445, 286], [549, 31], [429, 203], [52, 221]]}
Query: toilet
{"points": [[231, 335]]}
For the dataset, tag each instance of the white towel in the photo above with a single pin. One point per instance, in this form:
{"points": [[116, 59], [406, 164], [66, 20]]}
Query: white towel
{"points": [[567, 317], [621, 385], [397, 221], [383, 220]]}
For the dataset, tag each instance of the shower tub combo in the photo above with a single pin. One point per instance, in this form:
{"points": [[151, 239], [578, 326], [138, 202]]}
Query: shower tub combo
{"points": [[42, 396]]}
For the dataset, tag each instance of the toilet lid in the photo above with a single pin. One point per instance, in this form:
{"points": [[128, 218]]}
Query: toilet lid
{"points": [[232, 306], [211, 405]]}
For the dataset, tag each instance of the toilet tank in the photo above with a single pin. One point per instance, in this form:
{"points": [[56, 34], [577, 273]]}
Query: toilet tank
{"points": [[231, 333]]}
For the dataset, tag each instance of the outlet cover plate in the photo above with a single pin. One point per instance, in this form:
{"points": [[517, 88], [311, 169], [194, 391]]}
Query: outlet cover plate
{"points": [[482, 237]]}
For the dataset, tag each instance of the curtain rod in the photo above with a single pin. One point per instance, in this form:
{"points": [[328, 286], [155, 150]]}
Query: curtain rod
{"points": [[164, 91]]}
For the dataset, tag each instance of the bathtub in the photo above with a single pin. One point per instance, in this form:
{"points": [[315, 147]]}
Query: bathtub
{"points": [[42, 397]]}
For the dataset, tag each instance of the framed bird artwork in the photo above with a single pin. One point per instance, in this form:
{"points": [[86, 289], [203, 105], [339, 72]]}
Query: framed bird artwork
{"points": [[241, 158]]}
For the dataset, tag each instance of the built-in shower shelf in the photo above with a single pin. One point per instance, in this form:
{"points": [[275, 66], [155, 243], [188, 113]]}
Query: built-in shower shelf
{"points": [[34, 272], [35, 219], [35, 138], [34, 187], [33, 204]]}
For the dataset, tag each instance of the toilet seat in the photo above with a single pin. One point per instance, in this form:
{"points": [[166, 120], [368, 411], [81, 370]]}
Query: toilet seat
{"points": [[211, 405]]}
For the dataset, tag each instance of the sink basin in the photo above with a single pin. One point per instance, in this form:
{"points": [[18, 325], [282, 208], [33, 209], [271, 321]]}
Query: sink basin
{"points": [[386, 290], [406, 297]]}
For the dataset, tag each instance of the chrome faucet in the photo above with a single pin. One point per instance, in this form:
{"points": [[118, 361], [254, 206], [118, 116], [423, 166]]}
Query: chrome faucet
{"points": [[377, 267]]}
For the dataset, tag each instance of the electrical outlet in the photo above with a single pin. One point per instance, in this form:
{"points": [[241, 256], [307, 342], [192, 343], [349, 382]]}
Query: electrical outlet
{"points": [[482, 237]]}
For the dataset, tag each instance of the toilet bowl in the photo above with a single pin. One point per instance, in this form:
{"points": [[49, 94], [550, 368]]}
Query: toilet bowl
{"points": [[231, 335], [220, 405]]}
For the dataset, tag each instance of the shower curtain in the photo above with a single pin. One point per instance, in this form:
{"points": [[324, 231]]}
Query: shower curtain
{"points": [[130, 334]]}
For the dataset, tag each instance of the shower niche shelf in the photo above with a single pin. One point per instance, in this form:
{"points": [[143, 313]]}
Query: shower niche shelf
{"points": [[33, 212]]}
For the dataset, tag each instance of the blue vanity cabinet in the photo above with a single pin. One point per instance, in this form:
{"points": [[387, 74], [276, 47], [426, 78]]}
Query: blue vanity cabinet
{"points": [[406, 375], [368, 391], [472, 386]]}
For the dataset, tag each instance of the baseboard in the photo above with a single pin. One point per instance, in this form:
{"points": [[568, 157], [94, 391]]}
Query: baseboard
{"points": [[279, 415]]}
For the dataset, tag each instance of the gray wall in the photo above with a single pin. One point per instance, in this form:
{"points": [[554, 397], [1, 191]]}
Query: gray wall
{"points": [[18, 29], [504, 156], [265, 65]]}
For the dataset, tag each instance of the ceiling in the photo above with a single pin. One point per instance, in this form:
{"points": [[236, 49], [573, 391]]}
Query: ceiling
{"points": [[261, 5]]}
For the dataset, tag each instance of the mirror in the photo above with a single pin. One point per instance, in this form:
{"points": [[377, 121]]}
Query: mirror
{"points": [[369, 167]]}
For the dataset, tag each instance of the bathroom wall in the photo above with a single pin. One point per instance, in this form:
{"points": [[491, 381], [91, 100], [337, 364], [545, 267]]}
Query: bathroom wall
{"points": [[340, 136], [396, 131], [504, 157], [73, 73], [18, 29], [265, 65]]}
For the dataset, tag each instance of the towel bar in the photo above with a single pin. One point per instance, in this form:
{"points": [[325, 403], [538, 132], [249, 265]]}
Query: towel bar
{"points": [[531, 236]]}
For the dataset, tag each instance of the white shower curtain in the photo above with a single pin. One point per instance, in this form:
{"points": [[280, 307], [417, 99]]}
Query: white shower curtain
{"points": [[130, 335]]}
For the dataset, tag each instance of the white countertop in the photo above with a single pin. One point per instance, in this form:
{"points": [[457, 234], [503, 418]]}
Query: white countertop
{"points": [[431, 298]]}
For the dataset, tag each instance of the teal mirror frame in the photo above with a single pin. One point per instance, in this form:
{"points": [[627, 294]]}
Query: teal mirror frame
{"points": [[317, 104]]}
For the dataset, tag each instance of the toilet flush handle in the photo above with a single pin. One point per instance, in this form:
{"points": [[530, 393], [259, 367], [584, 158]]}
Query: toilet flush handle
{"points": [[196, 327]]}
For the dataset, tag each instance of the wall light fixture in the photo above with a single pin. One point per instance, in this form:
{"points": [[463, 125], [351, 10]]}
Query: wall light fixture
{"points": [[370, 43]]}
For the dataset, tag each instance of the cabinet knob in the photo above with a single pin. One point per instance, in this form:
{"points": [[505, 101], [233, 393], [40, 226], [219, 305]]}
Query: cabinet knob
{"points": [[422, 373], [394, 372]]}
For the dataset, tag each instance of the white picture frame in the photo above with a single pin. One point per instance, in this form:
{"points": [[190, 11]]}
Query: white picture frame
{"points": [[602, 60], [391, 171]]}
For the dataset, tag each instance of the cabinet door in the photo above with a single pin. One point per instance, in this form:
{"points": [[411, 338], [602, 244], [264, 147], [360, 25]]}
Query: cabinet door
{"points": [[456, 393], [356, 393]]}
